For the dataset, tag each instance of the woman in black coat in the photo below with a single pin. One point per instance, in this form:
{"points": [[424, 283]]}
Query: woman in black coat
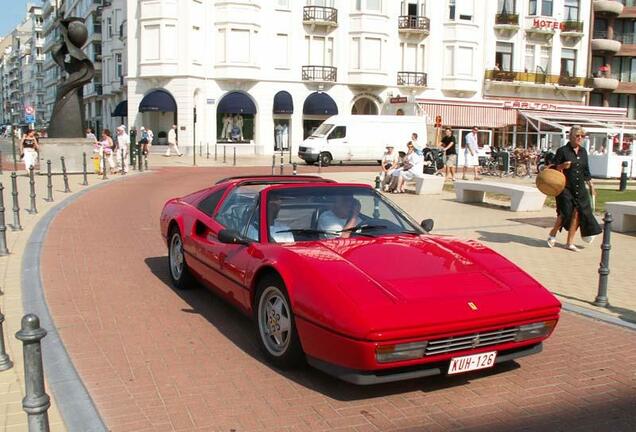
{"points": [[573, 204]]}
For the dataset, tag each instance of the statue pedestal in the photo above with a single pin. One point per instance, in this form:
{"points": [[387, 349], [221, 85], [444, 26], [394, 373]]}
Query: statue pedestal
{"points": [[71, 148]]}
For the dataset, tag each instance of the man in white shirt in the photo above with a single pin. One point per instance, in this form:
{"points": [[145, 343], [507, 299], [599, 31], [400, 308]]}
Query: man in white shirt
{"points": [[172, 141], [123, 144], [471, 159], [343, 215]]}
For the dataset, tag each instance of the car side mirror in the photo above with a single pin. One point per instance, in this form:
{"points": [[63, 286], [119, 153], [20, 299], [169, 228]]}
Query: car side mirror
{"points": [[229, 236], [427, 225]]}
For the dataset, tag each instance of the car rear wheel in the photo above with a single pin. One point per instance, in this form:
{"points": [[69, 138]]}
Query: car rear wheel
{"points": [[179, 272], [275, 325]]}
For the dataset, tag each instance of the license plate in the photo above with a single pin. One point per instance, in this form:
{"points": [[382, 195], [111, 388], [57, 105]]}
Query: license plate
{"points": [[472, 362]]}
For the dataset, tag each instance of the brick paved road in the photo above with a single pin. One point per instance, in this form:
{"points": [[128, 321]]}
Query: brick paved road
{"points": [[157, 359]]}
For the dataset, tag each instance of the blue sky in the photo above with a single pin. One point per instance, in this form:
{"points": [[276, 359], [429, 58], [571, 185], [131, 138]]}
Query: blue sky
{"points": [[13, 12]]}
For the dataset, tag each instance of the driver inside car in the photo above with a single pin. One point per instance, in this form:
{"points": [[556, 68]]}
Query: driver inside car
{"points": [[344, 214], [278, 231]]}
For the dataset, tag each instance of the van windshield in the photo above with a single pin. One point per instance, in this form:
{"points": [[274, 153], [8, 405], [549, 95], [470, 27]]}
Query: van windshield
{"points": [[323, 130]]}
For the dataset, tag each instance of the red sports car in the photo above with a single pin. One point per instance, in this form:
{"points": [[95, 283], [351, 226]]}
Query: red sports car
{"points": [[337, 275]]}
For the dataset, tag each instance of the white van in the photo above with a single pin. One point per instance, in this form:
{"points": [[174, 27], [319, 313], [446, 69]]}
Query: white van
{"points": [[360, 137]]}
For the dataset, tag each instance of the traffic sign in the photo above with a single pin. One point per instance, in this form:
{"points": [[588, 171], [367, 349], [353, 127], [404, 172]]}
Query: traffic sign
{"points": [[28, 110], [29, 118]]}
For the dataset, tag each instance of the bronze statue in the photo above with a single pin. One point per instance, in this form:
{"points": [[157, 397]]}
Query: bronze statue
{"points": [[67, 119]]}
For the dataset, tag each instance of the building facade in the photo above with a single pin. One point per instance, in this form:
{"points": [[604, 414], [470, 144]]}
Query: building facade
{"points": [[114, 64]]}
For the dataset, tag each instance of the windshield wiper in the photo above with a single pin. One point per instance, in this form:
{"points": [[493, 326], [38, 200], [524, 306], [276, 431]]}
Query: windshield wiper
{"points": [[361, 228], [410, 232], [306, 231]]}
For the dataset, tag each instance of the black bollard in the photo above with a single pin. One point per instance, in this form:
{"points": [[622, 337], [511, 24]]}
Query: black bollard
{"points": [[623, 184], [294, 170], [377, 182], [3, 230], [216, 151], [146, 162], [49, 182], [123, 162], [207, 150], [319, 163], [16, 205], [1, 160], [140, 155], [273, 163], [66, 188], [84, 173], [282, 164], [603, 270], [234, 158], [33, 209], [131, 147], [5, 361], [104, 175], [36, 402], [224, 154]]}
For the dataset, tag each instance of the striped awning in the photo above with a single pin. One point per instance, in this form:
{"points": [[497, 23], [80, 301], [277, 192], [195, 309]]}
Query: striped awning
{"points": [[480, 115]]}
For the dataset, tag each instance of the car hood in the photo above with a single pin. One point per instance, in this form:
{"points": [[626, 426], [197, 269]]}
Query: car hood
{"points": [[400, 282]]}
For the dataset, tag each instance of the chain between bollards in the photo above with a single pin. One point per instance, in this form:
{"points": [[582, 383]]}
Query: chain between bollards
{"points": [[36, 402], [84, 173], [5, 361], [33, 209], [603, 270], [3, 228], [49, 181], [65, 175], [16, 205]]}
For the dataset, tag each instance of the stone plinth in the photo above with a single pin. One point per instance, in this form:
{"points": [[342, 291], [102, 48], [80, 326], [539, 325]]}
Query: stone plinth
{"points": [[70, 148]]}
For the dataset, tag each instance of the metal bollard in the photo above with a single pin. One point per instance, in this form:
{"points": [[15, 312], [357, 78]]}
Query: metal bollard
{"points": [[33, 209], [146, 162], [294, 171], [131, 147], [84, 173], [603, 270], [200, 149], [122, 171], [5, 361], [224, 153], [66, 188], [234, 157], [377, 182], [282, 164], [623, 184], [140, 155], [36, 402], [319, 163], [49, 182], [1, 160], [273, 163], [3, 236], [104, 175], [207, 150], [215, 152], [16, 205]]}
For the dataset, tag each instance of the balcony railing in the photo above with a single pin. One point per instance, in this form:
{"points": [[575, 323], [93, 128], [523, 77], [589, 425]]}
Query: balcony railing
{"points": [[416, 23], [600, 34], [537, 78], [320, 14], [320, 73], [507, 19], [411, 79], [573, 26], [626, 38]]}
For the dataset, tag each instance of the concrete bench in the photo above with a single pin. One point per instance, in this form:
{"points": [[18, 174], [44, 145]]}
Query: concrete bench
{"points": [[522, 198], [623, 215], [426, 184]]}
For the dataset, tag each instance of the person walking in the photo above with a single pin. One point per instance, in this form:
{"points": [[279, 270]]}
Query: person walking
{"points": [[172, 141], [450, 153], [29, 148], [574, 209], [107, 147], [470, 154], [123, 143]]}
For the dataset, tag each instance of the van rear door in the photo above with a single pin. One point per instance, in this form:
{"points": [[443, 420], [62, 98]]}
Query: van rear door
{"points": [[338, 144]]}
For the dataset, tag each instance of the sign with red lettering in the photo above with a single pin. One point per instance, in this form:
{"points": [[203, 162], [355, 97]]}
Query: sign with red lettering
{"points": [[537, 106], [547, 24], [438, 121], [397, 100]]}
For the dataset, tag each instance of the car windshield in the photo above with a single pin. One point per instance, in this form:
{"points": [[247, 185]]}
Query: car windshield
{"points": [[309, 214], [322, 130]]}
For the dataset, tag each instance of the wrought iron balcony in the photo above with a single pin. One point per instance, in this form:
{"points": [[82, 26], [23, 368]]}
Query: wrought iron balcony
{"points": [[507, 19], [411, 79], [320, 73], [514, 78], [414, 24], [320, 15]]}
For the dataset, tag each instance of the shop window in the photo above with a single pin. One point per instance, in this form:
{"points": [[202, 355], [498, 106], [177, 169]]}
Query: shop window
{"points": [[281, 134]]}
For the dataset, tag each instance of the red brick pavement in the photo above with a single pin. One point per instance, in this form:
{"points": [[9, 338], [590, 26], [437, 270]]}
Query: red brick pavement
{"points": [[155, 359]]}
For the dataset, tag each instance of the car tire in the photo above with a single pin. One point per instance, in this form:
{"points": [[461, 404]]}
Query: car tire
{"points": [[275, 324], [325, 159], [178, 268]]}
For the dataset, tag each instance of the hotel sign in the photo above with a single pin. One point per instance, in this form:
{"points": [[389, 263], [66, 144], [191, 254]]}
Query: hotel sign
{"points": [[537, 106], [398, 100], [547, 24]]}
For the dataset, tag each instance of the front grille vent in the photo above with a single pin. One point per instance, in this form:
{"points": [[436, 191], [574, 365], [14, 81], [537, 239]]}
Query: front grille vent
{"points": [[471, 341]]}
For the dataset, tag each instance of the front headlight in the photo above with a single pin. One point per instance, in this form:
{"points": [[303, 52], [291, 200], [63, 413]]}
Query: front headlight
{"points": [[399, 352], [311, 150], [535, 330]]}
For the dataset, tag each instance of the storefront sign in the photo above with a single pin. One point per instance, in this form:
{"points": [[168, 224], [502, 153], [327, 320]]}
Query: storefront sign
{"points": [[547, 24], [537, 106], [398, 100]]}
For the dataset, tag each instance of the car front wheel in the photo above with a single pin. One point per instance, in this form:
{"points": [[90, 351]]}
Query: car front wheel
{"points": [[275, 325], [179, 272]]}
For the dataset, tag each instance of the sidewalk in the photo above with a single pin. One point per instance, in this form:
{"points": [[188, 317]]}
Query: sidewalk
{"points": [[12, 387], [520, 236]]}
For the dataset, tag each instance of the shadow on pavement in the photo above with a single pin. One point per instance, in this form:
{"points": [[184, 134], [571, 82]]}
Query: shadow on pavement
{"points": [[240, 331], [624, 314], [500, 237]]}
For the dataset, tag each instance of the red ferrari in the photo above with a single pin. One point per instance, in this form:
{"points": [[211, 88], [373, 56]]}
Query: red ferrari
{"points": [[336, 275]]}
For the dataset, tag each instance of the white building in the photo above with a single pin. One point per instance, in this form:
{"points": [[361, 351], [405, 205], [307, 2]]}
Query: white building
{"points": [[114, 58]]}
